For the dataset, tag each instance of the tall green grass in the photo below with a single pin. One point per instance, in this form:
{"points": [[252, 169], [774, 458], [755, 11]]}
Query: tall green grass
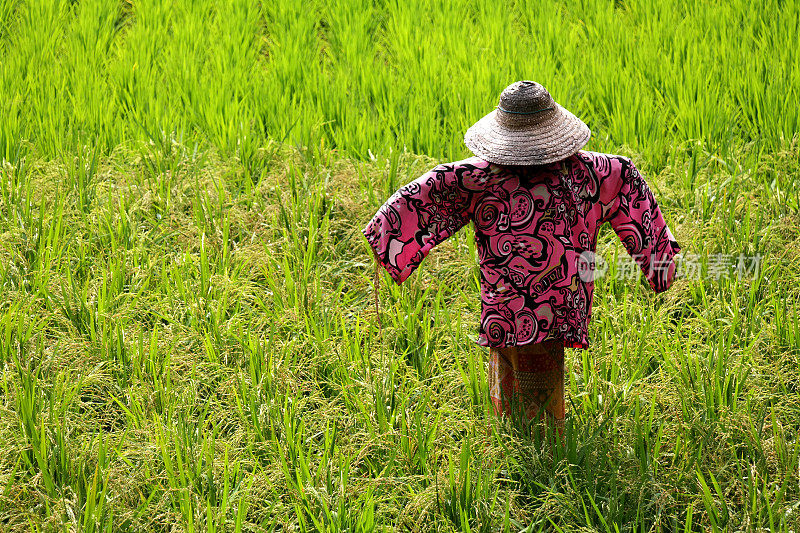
{"points": [[369, 75], [181, 350], [188, 339]]}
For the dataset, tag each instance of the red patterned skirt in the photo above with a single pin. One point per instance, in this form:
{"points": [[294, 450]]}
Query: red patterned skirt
{"points": [[528, 380]]}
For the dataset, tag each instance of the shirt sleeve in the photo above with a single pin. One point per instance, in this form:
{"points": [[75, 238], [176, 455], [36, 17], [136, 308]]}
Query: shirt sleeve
{"points": [[636, 218], [416, 218]]}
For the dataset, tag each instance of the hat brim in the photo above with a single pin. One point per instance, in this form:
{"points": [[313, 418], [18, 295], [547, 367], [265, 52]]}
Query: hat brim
{"points": [[559, 136]]}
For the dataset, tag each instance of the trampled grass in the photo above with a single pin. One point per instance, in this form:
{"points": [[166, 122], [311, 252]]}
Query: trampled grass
{"points": [[188, 338]]}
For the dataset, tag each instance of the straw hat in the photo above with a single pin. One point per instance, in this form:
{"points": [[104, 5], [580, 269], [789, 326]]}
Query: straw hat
{"points": [[528, 127]]}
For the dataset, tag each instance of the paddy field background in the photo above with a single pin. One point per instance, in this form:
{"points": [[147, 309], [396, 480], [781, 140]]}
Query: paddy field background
{"points": [[188, 337]]}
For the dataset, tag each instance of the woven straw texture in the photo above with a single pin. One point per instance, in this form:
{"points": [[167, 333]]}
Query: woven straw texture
{"points": [[527, 128]]}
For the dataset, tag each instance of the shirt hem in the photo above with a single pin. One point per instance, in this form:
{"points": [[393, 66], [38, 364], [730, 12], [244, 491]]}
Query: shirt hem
{"points": [[393, 271], [584, 345], [669, 279]]}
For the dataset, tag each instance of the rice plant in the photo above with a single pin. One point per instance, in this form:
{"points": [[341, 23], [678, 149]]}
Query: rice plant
{"points": [[189, 339]]}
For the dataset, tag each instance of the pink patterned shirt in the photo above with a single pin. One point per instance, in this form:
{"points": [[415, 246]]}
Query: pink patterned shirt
{"points": [[535, 228]]}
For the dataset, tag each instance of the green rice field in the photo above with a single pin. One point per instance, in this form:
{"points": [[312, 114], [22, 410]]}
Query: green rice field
{"points": [[188, 331]]}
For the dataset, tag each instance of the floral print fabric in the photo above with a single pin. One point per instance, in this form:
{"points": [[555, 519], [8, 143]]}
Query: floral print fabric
{"points": [[534, 230]]}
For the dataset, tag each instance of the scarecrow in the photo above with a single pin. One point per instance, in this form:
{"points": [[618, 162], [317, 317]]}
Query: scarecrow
{"points": [[537, 202]]}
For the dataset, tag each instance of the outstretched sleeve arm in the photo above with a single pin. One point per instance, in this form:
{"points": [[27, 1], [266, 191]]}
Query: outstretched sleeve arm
{"points": [[416, 218], [637, 220]]}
